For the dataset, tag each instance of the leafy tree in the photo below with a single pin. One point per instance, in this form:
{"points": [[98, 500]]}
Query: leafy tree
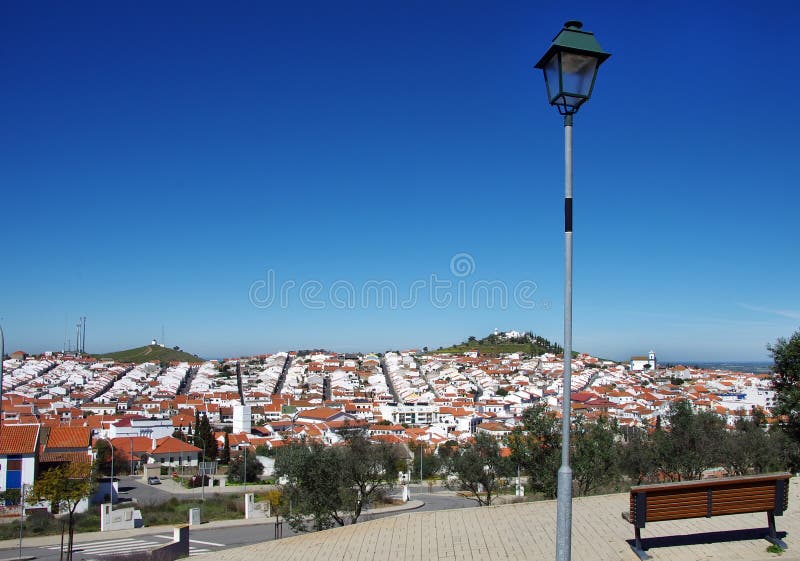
{"points": [[447, 450], [665, 454], [477, 469], [10, 497], [245, 468], [313, 487], [368, 468], [536, 448], [638, 456], [786, 381], [204, 438], [751, 448], [431, 463], [595, 455], [329, 486], [103, 458], [225, 458], [264, 450], [745, 447], [695, 441], [277, 503], [64, 487]]}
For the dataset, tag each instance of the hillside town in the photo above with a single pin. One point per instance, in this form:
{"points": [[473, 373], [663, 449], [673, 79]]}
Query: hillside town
{"points": [[56, 407]]}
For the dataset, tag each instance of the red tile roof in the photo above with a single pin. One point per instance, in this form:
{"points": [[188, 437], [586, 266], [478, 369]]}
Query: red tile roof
{"points": [[139, 444], [170, 445], [18, 439], [63, 457], [69, 437], [321, 413]]}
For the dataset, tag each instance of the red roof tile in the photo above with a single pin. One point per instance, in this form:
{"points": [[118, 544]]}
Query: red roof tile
{"points": [[169, 445], [69, 437], [18, 439]]}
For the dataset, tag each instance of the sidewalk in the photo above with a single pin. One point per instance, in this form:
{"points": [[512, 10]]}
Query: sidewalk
{"points": [[55, 539], [526, 531]]}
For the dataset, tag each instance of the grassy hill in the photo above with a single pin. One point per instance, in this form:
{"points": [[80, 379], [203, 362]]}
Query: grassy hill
{"points": [[491, 345], [150, 353]]}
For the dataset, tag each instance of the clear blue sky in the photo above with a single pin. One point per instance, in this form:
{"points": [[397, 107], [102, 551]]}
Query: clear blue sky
{"points": [[158, 159]]}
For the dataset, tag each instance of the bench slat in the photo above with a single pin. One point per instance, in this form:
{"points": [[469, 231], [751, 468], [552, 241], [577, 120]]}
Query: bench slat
{"points": [[765, 493], [674, 516], [669, 500]]}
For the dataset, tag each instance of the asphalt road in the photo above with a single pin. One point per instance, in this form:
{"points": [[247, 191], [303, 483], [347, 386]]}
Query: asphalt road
{"points": [[205, 540]]}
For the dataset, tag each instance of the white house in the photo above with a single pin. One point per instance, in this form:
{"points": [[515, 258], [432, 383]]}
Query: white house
{"points": [[132, 426], [18, 446], [170, 451]]}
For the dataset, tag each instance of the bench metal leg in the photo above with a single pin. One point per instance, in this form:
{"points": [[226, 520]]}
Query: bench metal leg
{"points": [[637, 546], [772, 537]]}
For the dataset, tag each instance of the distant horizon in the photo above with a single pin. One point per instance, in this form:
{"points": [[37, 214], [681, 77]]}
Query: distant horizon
{"points": [[211, 356]]}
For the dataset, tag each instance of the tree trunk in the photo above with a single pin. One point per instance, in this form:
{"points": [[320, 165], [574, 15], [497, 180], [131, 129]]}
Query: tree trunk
{"points": [[71, 536]]}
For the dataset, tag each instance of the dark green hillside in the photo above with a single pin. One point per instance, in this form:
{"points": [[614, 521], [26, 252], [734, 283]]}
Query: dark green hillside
{"points": [[529, 344], [150, 353]]}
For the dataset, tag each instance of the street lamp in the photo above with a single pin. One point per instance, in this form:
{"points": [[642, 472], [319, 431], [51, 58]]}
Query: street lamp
{"points": [[2, 359], [570, 69]]}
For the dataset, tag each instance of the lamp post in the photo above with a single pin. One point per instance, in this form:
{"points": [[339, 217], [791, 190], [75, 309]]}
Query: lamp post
{"points": [[21, 515], [420, 463], [2, 359], [570, 69]]}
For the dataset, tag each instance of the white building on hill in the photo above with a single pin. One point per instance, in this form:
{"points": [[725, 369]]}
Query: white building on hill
{"points": [[640, 363]]}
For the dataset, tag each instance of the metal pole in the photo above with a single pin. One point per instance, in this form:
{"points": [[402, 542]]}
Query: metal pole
{"points": [[112, 469], [564, 505], [245, 470], [21, 516], [2, 359]]}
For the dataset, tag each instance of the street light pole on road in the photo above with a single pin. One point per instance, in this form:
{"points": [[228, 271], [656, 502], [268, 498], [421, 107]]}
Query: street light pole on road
{"points": [[2, 359], [570, 69]]}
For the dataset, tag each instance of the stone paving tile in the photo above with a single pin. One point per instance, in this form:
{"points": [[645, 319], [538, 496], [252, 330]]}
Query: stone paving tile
{"points": [[526, 531]]}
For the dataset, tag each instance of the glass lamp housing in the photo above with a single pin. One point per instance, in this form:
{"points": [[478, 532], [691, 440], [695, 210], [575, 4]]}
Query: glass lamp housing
{"points": [[570, 67]]}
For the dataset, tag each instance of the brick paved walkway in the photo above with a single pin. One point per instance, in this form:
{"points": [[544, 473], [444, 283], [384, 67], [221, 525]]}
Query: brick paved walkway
{"points": [[527, 532]]}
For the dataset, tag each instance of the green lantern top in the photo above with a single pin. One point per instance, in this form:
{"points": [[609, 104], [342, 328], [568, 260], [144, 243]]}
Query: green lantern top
{"points": [[570, 67]]}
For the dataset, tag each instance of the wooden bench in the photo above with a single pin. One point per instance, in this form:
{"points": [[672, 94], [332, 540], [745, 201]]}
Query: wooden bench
{"points": [[706, 498]]}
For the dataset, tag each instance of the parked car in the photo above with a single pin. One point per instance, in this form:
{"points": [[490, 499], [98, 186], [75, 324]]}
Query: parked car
{"points": [[153, 480]]}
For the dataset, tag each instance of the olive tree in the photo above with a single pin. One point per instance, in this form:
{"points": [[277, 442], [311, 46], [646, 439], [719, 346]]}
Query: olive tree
{"points": [[476, 469], [64, 487]]}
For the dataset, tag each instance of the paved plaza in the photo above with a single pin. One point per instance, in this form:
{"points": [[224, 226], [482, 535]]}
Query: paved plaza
{"points": [[527, 532]]}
